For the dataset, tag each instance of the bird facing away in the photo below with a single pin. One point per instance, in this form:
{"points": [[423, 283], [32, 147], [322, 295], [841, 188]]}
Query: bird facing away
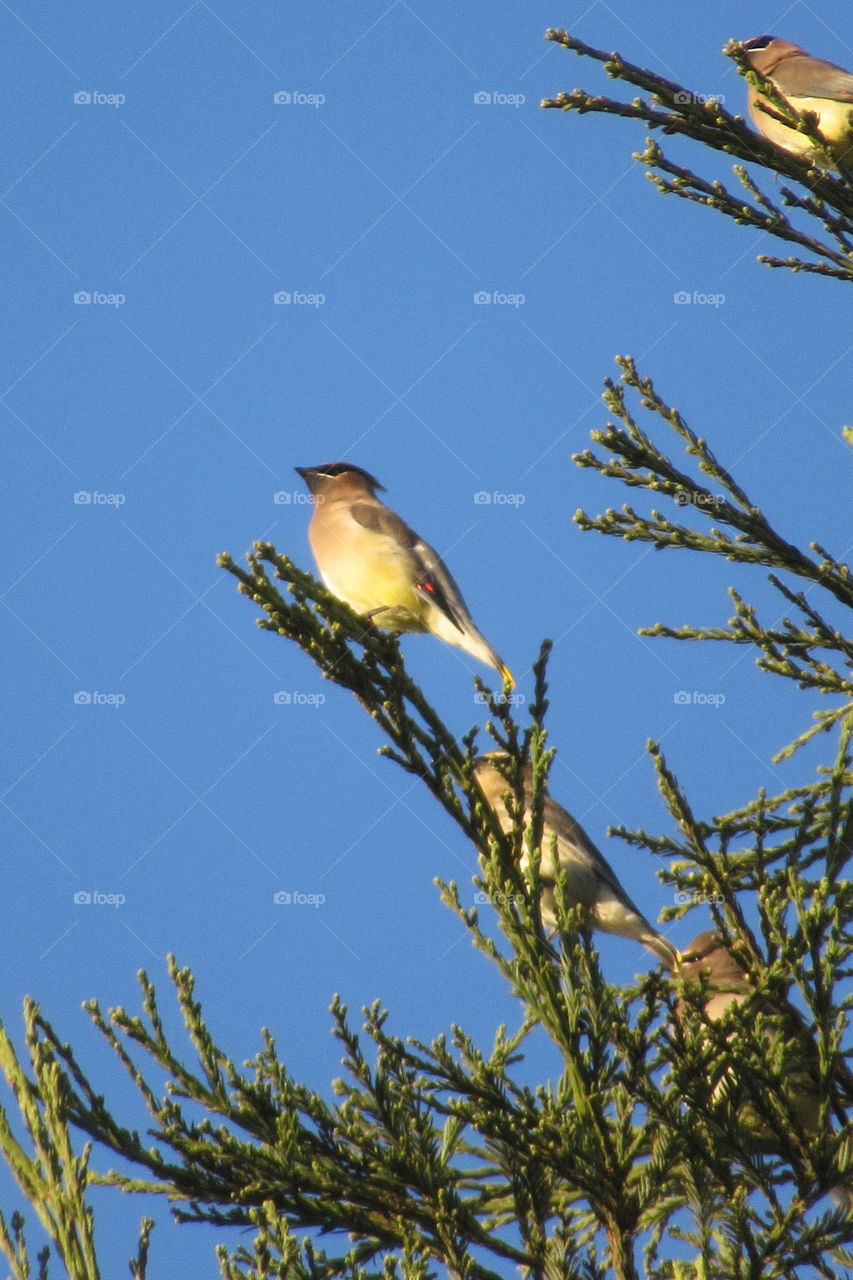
{"points": [[807, 84], [590, 880], [372, 560], [729, 985]]}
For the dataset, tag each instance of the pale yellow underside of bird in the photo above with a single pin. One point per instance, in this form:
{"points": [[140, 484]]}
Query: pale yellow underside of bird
{"points": [[373, 572], [832, 120], [376, 577]]}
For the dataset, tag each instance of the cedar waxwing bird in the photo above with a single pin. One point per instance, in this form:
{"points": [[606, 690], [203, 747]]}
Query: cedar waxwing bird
{"points": [[727, 985], [373, 561], [591, 882], [806, 84]]}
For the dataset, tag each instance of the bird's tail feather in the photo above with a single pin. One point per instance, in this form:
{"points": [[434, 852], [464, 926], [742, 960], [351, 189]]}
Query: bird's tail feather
{"points": [[664, 950]]}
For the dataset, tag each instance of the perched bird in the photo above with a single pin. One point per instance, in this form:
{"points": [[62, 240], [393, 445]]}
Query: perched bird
{"points": [[590, 880], [371, 559], [729, 985], [807, 84]]}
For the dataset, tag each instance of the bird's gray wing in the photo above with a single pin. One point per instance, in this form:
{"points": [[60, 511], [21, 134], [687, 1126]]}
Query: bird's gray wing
{"points": [[800, 76], [381, 519], [584, 850], [435, 582]]}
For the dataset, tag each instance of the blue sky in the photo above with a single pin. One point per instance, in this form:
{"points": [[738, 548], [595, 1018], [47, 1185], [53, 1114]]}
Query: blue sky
{"points": [[180, 166]]}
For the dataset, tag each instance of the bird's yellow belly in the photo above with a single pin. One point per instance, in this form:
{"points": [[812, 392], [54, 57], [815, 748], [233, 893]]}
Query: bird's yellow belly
{"points": [[832, 120], [381, 585]]}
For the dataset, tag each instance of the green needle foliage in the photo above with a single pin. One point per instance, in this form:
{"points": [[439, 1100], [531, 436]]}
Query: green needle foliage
{"points": [[807, 649], [660, 1132], [666, 1141], [50, 1174], [825, 203]]}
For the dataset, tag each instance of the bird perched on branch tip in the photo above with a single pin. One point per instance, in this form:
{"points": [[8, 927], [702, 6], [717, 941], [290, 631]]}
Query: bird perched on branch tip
{"points": [[806, 84], [591, 882], [372, 560]]}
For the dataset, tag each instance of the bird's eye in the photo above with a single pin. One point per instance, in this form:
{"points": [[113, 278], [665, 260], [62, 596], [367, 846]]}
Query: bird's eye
{"points": [[758, 42]]}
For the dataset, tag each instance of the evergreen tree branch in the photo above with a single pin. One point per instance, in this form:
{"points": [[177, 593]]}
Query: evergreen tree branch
{"points": [[674, 109], [357, 656], [379, 1164], [814, 653], [436, 1154], [637, 462], [48, 1170], [660, 1120]]}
